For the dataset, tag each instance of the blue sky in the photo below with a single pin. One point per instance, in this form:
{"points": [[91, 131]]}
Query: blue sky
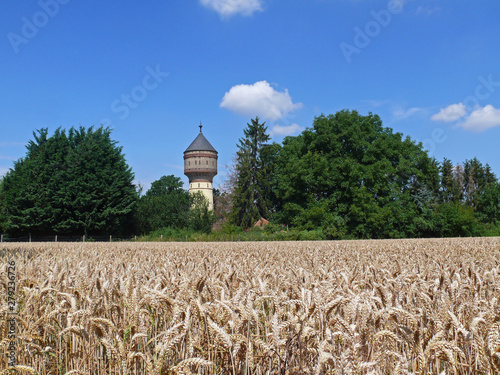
{"points": [[153, 70]]}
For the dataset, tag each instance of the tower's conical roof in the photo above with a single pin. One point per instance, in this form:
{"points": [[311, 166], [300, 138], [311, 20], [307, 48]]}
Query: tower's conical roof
{"points": [[200, 143]]}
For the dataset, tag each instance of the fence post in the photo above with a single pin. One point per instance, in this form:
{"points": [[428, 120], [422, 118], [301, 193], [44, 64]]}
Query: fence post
{"points": [[56, 237], [1, 238], [83, 238], [30, 237], [135, 238], [110, 238], [162, 237]]}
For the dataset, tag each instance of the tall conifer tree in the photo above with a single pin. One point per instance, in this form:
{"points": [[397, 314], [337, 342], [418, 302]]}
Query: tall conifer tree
{"points": [[75, 183], [251, 193]]}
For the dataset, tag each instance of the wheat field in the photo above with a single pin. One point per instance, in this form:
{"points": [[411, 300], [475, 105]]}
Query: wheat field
{"points": [[347, 307]]}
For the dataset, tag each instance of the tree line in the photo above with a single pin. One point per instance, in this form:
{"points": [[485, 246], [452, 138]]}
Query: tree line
{"points": [[350, 177], [347, 176], [79, 183]]}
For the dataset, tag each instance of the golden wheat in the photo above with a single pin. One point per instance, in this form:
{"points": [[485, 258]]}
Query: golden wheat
{"points": [[348, 307]]}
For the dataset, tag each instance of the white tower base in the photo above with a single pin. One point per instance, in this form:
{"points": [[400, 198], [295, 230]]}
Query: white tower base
{"points": [[206, 188]]}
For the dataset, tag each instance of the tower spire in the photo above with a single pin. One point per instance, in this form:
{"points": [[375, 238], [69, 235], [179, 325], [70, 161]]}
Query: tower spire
{"points": [[200, 165]]}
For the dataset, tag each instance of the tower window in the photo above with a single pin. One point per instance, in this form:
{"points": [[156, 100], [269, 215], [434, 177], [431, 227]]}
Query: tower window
{"points": [[207, 162], [208, 185], [198, 184], [195, 162]]}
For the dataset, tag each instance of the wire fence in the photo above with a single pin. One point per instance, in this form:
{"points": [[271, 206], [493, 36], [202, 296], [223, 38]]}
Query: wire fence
{"points": [[58, 238]]}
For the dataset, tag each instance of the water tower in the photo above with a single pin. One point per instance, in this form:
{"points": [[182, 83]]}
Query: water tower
{"points": [[200, 166]]}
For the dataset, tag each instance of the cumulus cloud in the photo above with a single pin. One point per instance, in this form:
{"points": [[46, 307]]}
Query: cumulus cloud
{"points": [[279, 130], [451, 113], [259, 99], [481, 119], [228, 8]]}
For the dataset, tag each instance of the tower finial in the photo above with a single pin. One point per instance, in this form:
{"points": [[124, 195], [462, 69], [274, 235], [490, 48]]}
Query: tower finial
{"points": [[200, 126]]}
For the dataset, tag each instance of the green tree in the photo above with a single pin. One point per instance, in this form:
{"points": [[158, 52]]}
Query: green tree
{"points": [[455, 220], [165, 204], [3, 209], [75, 183], [353, 177], [477, 178], [488, 204], [251, 197], [165, 185], [451, 182], [223, 198], [201, 218]]}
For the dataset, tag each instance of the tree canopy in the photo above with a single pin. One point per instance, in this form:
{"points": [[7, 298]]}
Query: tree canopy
{"points": [[347, 176], [75, 183], [350, 175], [167, 204]]}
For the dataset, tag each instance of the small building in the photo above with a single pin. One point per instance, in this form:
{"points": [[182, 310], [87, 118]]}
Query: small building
{"points": [[200, 166]]}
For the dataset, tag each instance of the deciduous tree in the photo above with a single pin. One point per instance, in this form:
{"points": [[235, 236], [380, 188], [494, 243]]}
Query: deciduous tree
{"points": [[351, 176]]}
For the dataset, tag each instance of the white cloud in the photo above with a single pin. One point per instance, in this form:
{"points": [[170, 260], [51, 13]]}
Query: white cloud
{"points": [[451, 113], [402, 114], [279, 130], [481, 119], [259, 99], [228, 8]]}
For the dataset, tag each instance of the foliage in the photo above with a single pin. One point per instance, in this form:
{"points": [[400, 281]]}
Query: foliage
{"points": [[252, 195], [473, 186], [351, 176], [165, 186], [167, 205], [201, 218], [456, 220], [346, 177], [476, 178], [451, 182], [223, 197], [3, 209], [488, 204], [75, 183]]}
